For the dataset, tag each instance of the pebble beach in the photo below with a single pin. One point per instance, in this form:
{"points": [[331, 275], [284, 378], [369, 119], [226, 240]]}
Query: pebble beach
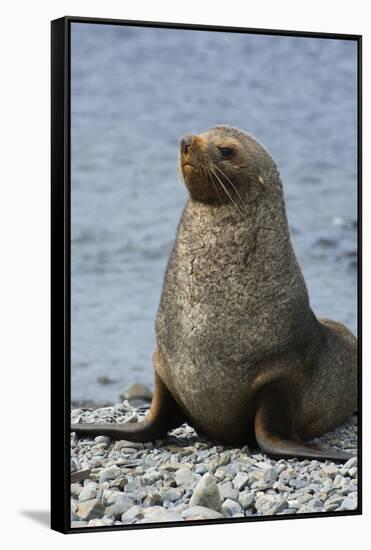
{"points": [[186, 477]]}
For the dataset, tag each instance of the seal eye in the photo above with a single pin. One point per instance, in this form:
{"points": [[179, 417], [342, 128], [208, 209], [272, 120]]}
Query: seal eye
{"points": [[226, 152]]}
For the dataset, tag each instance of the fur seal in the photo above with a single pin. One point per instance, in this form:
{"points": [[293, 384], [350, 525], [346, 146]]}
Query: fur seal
{"points": [[240, 354]]}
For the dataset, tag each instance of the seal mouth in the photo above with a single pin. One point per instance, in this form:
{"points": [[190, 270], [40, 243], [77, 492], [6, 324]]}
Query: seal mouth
{"points": [[188, 167]]}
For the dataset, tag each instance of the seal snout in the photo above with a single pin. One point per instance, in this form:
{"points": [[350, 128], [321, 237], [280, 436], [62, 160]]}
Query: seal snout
{"points": [[185, 142]]}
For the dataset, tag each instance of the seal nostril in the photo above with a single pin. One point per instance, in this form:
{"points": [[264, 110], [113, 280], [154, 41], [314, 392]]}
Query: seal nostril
{"points": [[185, 142]]}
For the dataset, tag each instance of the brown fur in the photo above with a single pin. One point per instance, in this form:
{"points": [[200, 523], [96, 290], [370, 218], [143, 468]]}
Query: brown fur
{"points": [[240, 352]]}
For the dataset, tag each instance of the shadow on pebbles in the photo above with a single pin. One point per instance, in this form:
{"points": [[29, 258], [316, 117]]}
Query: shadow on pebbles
{"points": [[186, 477]]}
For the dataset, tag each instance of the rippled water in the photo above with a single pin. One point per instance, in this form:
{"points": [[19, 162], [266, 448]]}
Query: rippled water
{"points": [[135, 92]]}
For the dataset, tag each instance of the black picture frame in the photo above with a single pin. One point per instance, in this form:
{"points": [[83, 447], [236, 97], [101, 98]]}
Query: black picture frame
{"points": [[61, 273]]}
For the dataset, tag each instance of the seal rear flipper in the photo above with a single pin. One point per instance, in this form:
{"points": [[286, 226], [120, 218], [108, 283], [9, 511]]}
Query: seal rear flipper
{"points": [[164, 416], [275, 428]]}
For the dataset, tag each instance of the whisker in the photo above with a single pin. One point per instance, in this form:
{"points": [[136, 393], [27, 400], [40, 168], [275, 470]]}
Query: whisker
{"points": [[225, 189], [208, 175], [179, 170], [234, 187]]}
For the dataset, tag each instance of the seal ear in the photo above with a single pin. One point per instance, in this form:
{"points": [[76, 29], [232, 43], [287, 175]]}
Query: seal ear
{"points": [[275, 428], [262, 183]]}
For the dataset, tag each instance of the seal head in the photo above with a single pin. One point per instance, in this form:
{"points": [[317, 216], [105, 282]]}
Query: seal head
{"points": [[224, 162]]}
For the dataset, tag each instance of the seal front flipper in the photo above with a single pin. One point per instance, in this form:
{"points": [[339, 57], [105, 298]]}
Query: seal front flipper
{"points": [[275, 430], [163, 416]]}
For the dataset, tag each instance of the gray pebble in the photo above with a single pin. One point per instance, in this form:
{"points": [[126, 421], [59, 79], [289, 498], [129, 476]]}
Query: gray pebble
{"points": [[102, 439], [200, 512], [350, 502], [201, 469], [88, 492], [156, 514], [227, 491], [109, 473], [246, 499], [184, 476], [78, 523], [350, 463], [270, 504], [90, 509], [230, 508], [131, 486], [206, 493], [169, 477], [329, 471], [135, 512], [332, 503], [170, 494], [122, 505], [240, 481]]}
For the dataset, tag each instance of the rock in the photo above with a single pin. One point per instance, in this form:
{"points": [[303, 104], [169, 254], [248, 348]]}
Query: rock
{"points": [[122, 505], [122, 444], [135, 512], [74, 506], [200, 512], [88, 492], [110, 496], [264, 465], [170, 494], [102, 439], [332, 503], [246, 499], [350, 502], [352, 487], [78, 523], [314, 505], [184, 476], [90, 509], [75, 489], [187, 476], [240, 481], [298, 483], [137, 392], [293, 503], [227, 491], [268, 505], [350, 463], [109, 473], [156, 514], [230, 508], [133, 418], [224, 459], [201, 469], [99, 523], [270, 474], [303, 499], [151, 477], [329, 471], [80, 475], [131, 486], [206, 493], [339, 482], [245, 450], [153, 499]]}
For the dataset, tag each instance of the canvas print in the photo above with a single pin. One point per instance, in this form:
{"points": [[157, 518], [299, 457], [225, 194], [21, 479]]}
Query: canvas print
{"points": [[214, 360]]}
